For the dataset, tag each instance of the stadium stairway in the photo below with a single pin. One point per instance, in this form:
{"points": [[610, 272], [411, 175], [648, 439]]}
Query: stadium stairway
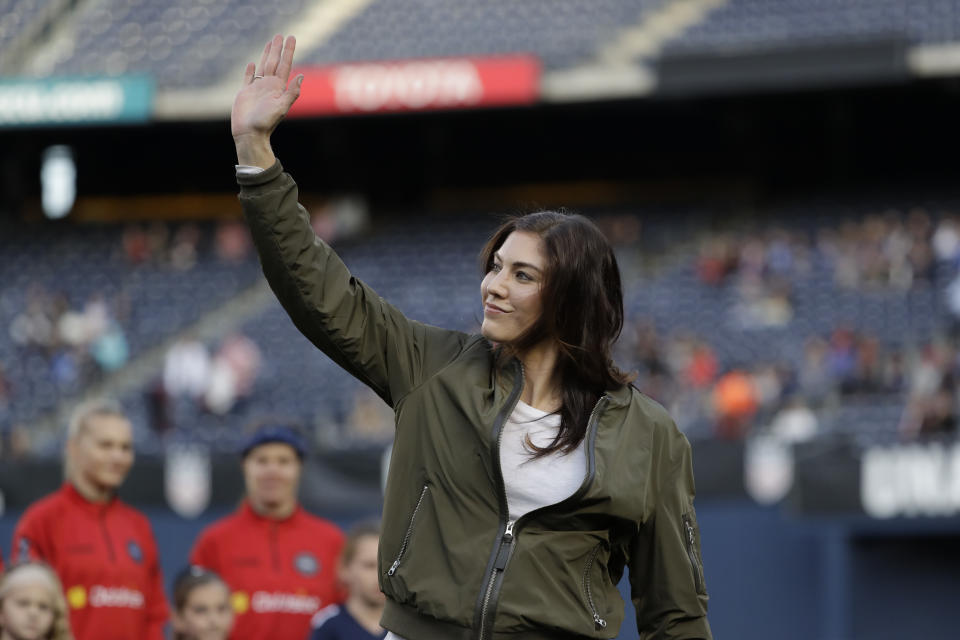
{"points": [[620, 64], [138, 373], [24, 23]]}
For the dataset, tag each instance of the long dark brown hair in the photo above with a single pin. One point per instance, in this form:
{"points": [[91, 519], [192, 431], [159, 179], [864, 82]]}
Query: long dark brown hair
{"points": [[582, 299]]}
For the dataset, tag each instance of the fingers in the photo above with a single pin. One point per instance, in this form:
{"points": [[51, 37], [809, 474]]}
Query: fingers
{"points": [[263, 58], [286, 59], [293, 91], [273, 56], [248, 73]]}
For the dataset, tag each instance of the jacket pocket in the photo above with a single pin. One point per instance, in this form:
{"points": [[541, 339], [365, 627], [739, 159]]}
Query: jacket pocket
{"points": [[692, 542], [406, 538], [598, 621]]}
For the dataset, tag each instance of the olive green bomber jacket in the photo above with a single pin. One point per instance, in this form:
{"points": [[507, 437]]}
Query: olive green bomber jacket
{"points": [[451, 565]]}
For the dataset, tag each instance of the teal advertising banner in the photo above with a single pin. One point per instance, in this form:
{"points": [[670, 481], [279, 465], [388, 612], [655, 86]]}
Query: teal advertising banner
{"points": [[75, 100]]}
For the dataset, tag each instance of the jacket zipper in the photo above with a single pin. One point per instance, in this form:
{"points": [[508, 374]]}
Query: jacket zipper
{"points": [[273, 546], [597, 620], [505, 544], [499, 566], [691, 543], [106, 536], [406, 538]]}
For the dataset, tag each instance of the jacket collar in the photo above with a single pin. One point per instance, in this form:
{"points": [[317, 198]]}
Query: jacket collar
{"points": [[76, 498], [507, 376], [248, 513]]}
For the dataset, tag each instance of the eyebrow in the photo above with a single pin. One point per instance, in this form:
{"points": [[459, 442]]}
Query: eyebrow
{"points": [[520, 265]]}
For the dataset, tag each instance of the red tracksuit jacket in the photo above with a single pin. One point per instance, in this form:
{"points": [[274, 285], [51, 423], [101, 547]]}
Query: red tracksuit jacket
{"points": [[281, 572], [106, 557]]}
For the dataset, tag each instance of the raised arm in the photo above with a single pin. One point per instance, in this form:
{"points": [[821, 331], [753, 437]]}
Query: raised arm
{"points": [[262, 102], [341, 315]]}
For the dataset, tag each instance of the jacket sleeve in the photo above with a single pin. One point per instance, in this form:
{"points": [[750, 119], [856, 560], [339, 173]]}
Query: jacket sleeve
{"points": [[31, 540], [338, 313], [202, 554], [666, 570], [157, 611]]}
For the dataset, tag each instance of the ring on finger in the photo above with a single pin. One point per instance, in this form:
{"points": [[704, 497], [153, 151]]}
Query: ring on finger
{"points": [[257, 77]]}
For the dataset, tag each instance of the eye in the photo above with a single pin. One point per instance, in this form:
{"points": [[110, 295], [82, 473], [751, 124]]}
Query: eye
{"points": [[495, 267], [522, 275]]}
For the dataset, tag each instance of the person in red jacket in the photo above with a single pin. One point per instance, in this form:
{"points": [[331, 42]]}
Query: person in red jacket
{"points": [[102, 550], [279, 560]]}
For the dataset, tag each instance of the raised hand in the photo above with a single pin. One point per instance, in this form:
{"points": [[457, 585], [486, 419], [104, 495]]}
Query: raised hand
{"points": [[263, 101]]}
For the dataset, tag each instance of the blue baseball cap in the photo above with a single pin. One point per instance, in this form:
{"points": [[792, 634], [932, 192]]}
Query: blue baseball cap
{"points": [[269, 433]]}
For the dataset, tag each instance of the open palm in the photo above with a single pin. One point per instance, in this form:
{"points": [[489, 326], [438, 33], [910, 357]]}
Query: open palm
{"points": [[265, 96]]}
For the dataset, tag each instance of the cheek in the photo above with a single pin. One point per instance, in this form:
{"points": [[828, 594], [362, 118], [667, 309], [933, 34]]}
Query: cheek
{"points": [[530, 301]]}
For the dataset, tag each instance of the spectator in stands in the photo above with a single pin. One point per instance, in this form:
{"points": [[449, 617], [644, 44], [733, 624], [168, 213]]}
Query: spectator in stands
{"points": [[201, 606], [186, 369], [232, 242], [813, 376], [135, 244], [795, 422], [17, 443], [734, 403], [370, 421], [359, 617], [931, 408], [279, 560], [946, 240], [183, 249], [233, 370], [103, 550], [32, 605], [490, 514], [5, 393]]}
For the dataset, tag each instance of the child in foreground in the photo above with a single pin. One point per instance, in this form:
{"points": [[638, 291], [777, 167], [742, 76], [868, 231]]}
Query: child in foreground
{"points": [[359, 617], [32, 606], [202, 609]]}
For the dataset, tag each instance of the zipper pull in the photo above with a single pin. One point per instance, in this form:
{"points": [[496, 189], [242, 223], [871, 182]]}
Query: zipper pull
{"points": [[690, 536], [506, 544], [393, 569], [600, 622]]}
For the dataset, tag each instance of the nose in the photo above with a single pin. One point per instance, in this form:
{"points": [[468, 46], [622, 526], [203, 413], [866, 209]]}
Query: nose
{"points": [[497, 285]]}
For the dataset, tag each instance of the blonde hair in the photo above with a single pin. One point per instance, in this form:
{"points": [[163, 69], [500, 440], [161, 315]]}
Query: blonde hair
{"points": [[80, 419], [30, 573]]}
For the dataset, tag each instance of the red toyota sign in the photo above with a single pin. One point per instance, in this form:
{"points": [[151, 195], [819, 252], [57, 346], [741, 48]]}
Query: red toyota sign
{"points": [[415, 85]]}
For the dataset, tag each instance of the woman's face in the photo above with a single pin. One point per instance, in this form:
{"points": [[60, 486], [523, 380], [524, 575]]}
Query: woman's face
{"points": [[103, 451], [272, 474], [511, 289], [26, 613], [207, 614]]}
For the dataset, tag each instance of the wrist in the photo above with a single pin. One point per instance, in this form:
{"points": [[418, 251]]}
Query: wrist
{"points": [[254, 150]]}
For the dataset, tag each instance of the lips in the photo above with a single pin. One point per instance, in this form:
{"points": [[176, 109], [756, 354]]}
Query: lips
{"points": [[492, 308]]}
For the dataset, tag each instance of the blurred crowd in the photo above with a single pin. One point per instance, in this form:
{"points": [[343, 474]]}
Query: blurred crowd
{"points": [[889, 252], [784, 397]]}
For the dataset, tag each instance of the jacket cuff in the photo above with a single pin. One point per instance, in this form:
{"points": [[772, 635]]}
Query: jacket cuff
{"points": [[262, 177]]}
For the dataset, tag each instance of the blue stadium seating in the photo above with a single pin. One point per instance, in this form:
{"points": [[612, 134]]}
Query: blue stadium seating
{"points": [[79, 262], [561, 34], [744, 25]]}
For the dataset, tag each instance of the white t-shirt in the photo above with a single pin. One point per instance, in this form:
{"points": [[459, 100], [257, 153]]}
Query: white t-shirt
{"points": [[534, 483]]}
